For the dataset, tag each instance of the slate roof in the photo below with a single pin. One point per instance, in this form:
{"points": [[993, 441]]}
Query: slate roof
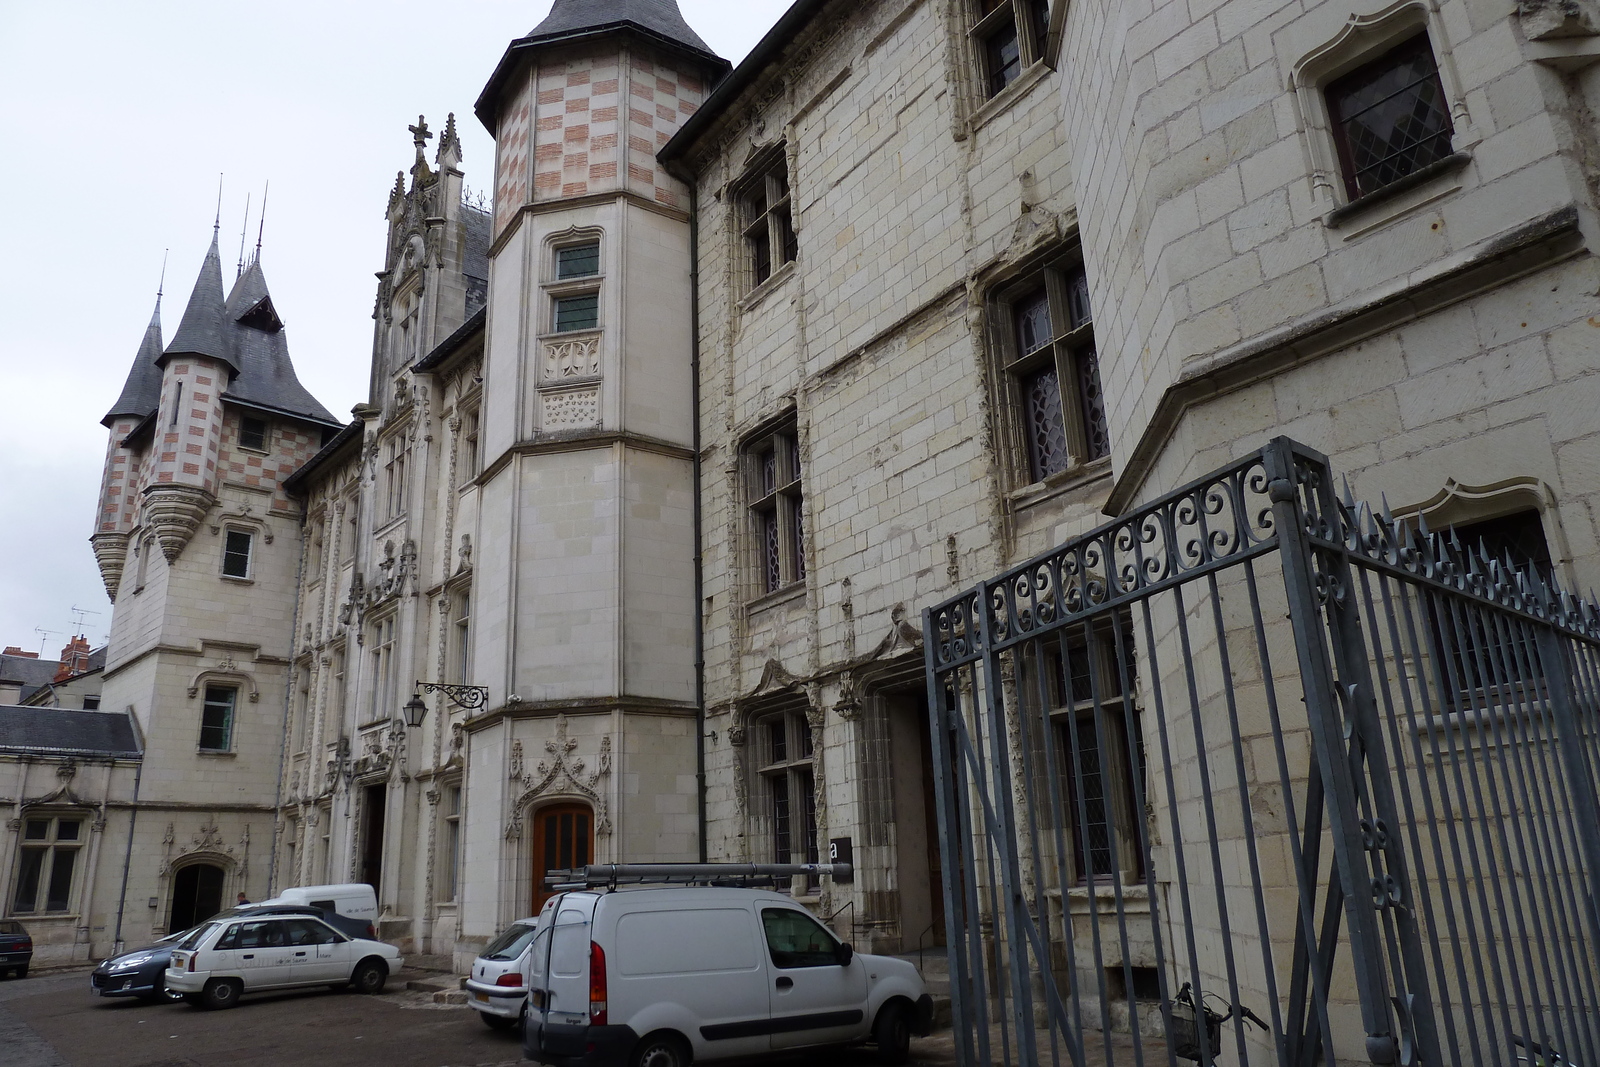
{"points": [[660, 17], [203, 331], [658, 21], [475, 257], [60, 731], [32, 674], [241, 330], [141, 393], [260, 350]]}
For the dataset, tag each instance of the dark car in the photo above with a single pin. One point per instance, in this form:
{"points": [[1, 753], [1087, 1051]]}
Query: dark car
{"points": [[16, 948], [140, 973]]}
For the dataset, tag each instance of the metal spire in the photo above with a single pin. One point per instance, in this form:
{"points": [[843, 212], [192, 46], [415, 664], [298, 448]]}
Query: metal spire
{"points": [[261, 228], [244, 228], [216, 224]]}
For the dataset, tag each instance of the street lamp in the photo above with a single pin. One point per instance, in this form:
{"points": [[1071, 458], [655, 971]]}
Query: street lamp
{"points": [[415, 709], [467, 697]]}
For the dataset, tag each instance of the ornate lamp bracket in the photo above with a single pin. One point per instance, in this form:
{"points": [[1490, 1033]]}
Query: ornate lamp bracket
{"points": [[470, 697]]}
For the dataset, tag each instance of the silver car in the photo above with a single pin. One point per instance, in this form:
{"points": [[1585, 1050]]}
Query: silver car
{"points": [[221, 960], [497, 988]]}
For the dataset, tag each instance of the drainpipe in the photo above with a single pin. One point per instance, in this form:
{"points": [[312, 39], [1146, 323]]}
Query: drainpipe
{"points": [[127, 860], [699, 561], [288, 695]]}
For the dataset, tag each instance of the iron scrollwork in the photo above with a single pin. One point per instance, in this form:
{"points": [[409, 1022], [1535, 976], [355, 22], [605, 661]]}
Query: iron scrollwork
{"points": [[469, 697]]}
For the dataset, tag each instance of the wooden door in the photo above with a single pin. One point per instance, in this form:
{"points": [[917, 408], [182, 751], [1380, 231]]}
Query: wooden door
{"points": [[563, 838]]}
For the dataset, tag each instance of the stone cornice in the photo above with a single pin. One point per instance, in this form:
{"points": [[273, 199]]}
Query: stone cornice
{"points": [[546, 207], [1528, 248], [549, 709], [582, 441]]}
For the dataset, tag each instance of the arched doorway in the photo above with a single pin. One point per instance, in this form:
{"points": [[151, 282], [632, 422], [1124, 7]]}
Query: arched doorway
{"points": [[563, 838], [196, 895]]}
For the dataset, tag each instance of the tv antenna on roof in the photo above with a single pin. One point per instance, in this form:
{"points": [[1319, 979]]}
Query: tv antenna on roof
{"points": [[78, 620], [44, 637]]}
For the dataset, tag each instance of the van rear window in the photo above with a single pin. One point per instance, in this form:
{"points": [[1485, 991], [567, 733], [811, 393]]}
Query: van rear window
{"points": [[705, 941]]}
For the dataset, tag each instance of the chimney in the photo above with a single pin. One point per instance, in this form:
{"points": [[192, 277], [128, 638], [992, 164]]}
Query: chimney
{"points": [[13, 650], [74, 659]]}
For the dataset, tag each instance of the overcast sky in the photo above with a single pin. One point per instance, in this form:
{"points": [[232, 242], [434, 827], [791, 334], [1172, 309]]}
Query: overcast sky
{"points": [[118, 118]]}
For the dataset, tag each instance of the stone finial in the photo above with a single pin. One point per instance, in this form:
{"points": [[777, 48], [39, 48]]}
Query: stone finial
{"points": [[449, 154]]}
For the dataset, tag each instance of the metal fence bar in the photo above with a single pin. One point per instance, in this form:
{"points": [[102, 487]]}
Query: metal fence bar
{"points": [[1442, 833]]}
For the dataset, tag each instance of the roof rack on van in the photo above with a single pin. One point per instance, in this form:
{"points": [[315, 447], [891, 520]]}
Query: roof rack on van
{"points": [[738, 875]]}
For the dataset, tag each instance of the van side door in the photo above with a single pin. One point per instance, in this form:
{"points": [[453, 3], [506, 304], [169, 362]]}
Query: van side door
{"points": [[815, 1000]]}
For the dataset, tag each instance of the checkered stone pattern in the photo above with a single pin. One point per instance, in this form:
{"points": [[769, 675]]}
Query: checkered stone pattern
{"points": [[589, 139], [289, 446], [660, 100], [511, 183], [119, 489], [575, 143], [186, 446]]}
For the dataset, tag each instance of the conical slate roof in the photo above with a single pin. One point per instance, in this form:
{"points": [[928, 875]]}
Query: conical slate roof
{"points": [[660, 17], [265, 374], [141, 393], [203, 331]]}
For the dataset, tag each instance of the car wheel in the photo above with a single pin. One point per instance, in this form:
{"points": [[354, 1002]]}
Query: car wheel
{"points": [[369, 976], [660, 1050], [496, 1022], [220, 993], [892, 1033]]}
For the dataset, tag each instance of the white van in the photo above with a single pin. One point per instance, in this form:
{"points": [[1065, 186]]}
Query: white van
{"points": [[661, 977], [352, 908]]}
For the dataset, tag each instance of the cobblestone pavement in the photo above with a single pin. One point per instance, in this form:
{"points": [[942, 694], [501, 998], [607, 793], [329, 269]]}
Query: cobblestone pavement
{"points": [[51, 1020]]}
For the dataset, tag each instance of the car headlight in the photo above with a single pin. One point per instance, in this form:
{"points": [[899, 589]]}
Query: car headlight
{"points": [[128, 963]]}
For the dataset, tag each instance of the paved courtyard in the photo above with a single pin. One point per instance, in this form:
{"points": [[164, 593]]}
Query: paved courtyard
{"points": [[50, 1020]]}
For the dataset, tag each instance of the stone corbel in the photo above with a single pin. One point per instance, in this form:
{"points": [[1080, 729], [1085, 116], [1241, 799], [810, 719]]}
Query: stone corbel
{"points": [[1544, 20]]}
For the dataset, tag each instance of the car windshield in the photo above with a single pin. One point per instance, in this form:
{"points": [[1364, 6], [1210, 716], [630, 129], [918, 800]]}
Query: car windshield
{"points": [[510, 943], [196, 935]]}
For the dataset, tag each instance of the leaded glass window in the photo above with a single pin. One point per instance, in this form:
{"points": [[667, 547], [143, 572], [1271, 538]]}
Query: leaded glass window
{"points": [[1054, 368], [1010, 36], [1390, 117], [785, 751], [777, 506], [767, 217]]}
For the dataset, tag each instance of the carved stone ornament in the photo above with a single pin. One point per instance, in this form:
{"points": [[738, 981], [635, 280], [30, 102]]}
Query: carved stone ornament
{"points": [[111, 553], [174, 513], [207, 839], [572, 359], [570, 409], [903, 636], [560, 773], [848, 706], [245, 514]]}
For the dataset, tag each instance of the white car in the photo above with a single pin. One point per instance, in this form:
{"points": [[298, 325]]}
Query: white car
{"points": [[497, 987], [221, 960], [666, 977]]}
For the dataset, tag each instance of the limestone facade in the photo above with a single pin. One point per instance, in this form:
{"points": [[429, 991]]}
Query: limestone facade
{"points": [[1437, 341]]}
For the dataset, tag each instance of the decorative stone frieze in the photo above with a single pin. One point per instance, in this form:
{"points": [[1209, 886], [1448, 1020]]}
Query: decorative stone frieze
{"points": [[174, 513], [571, 359]]}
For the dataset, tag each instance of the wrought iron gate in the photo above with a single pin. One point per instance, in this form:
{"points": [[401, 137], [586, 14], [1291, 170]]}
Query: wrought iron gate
{"points": [[1256, 775]]}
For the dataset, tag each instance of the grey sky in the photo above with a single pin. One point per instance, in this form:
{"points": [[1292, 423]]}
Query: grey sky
{"points": [[119, 116]]}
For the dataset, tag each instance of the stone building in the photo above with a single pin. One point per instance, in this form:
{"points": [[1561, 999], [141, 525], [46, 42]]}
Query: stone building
{"points": [[669, 450]]}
